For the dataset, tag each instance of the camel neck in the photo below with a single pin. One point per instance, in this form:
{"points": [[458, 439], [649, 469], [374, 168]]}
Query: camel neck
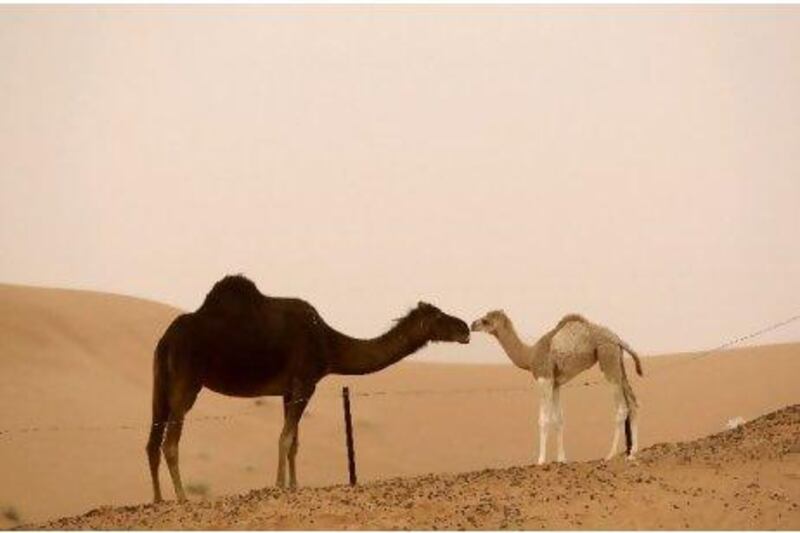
{"points": [[517, 351], [365, 356]]}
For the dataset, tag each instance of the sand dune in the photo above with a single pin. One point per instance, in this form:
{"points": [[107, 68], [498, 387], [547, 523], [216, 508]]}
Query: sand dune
{"points": [[75, 373]]}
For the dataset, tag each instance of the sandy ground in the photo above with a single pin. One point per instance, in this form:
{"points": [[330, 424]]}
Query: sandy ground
{"points": [[75, 375], [746, 478]]}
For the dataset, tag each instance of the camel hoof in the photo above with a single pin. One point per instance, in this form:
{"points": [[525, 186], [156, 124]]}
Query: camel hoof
{"points": [[631, 457]]}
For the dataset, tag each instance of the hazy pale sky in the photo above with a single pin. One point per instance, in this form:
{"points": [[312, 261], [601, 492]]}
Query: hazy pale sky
{"points": [[638, 164]]}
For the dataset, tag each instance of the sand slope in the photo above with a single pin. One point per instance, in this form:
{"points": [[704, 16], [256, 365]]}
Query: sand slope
{"points": [[745, 478], [76, 367]]}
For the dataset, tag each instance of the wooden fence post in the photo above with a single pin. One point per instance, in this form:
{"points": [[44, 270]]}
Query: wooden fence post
{"points": [[628, 438], [348, 427]]}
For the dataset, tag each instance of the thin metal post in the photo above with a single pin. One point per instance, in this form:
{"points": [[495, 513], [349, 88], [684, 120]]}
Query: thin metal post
{"points": [[348, 427]]}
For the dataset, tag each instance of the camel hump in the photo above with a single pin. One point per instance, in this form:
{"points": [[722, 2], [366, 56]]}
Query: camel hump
{"points": [[232, 295], [572, 317]]}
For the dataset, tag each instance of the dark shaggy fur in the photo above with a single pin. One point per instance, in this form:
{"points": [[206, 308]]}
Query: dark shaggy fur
{"points": [[243, 343]]}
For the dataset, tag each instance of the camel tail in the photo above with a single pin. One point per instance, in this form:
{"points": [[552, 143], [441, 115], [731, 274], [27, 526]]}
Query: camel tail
{"points": [[627, 390], [160, 412], [631, 402], [636, 360], [160, 390]]}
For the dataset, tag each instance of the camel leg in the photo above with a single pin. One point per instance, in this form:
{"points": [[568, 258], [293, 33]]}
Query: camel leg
{"points": [[632, 421], [283, 444], [161, 412], [170, 447], [610, 359], [160, 417], [292, 455], [154, 456], [288, 443], [557, 420], [621, 413], [181, 401], [295, 443], [633, 416], [545, 415]]}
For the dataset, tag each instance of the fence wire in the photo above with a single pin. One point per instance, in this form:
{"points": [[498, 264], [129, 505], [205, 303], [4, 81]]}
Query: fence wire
{"points": [[140, 426]]}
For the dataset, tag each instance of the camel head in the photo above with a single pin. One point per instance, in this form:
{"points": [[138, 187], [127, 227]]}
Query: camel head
{"points": [[491, 322], [440, 326]]}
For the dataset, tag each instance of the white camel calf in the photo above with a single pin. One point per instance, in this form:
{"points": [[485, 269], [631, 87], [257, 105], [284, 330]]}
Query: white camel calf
{"points": [[574, 345]]}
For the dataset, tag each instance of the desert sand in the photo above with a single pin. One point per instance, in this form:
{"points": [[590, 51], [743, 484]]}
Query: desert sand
{"points": [[75, 374], [746, 478]]}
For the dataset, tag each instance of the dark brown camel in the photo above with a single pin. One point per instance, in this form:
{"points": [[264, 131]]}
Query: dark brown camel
{"points": [[242, 343]]}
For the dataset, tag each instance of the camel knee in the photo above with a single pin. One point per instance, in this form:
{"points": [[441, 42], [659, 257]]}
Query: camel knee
{"points": [[153, 448], [551, 420], [286, 446], [155, 439], [170, 450], [285, 442]]}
